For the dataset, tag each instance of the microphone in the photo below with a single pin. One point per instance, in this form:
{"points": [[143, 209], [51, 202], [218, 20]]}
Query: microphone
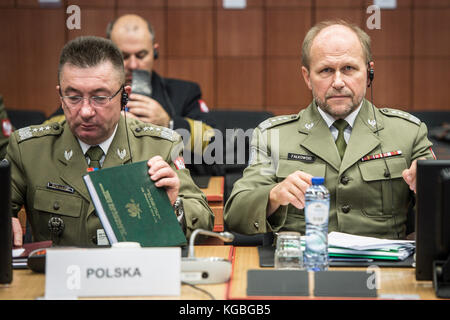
{"points": [[224, 236], [206, 270]]}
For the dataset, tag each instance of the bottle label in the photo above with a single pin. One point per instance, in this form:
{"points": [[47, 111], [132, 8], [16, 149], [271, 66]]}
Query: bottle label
{"points": [[316, 213]]}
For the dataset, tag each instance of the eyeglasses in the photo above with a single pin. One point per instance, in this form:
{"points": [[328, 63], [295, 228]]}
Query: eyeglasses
{"points": [[94, 101]]}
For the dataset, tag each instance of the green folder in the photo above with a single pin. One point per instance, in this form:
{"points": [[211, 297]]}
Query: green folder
{"points": [[132, 208]]}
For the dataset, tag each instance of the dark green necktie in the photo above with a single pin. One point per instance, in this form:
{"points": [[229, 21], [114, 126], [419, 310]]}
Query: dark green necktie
{"points": [[341, 124], [95, 154]]}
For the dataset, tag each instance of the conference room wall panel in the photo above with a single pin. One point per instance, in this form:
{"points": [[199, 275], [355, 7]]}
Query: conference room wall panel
{"points": [[394, 38], [94, 23], [138, 4], [285, 30], [190, 33], [31, 42], [289, 3], [7, 3], [431, 78], [284, 83], [241, 58], [190, 3], [240, 32], [240, 83], [432, 30], [349, 14], [392, 83]]}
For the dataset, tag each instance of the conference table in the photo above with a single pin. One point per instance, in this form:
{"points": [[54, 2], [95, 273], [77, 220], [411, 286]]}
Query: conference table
{"points": [[396, 283]]}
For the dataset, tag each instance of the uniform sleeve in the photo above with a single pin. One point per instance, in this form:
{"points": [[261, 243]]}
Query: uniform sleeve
{"points": [[196, 209], [18, 182], [422, 146], [245, 210]]}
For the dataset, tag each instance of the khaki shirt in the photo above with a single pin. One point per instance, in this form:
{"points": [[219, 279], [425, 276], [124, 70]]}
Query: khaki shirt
{"points": [[363, 199], [50, 153]]}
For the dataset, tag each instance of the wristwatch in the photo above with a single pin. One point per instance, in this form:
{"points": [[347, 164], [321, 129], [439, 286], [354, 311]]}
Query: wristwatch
{"points": [[179, 211]]}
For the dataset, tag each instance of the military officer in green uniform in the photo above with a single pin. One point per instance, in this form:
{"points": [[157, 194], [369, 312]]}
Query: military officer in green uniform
{"points": [[48, 161], [367, 155], [6, 129]]}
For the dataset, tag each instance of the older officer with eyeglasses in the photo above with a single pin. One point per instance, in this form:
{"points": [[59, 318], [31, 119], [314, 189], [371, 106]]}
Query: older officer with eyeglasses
{"points": [[49, 161]]}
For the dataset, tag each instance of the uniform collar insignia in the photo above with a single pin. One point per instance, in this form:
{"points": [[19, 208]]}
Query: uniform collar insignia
{"points": [[372, 122], [309, 125], [68, 154], [122, 153]]}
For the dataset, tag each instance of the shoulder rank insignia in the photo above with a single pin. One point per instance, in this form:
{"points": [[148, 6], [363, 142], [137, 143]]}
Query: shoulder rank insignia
{"points": [[271, 122], [401, 114], [157, 131], [38, 131]]}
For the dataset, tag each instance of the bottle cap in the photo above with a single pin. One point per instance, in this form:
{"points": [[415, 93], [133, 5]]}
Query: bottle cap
{"points": [[317, 180]]}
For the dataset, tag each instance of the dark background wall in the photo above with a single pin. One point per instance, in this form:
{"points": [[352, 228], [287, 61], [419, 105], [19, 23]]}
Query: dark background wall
{"points": [[243, 59]]}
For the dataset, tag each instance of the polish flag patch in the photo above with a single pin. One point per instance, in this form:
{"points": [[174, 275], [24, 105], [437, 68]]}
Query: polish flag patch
{"points": [[179, 163], [6, 127], [432, 153], [203, 106]]}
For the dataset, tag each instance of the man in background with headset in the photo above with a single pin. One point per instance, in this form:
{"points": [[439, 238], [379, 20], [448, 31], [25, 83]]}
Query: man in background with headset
{"points": [[94, 134], [174, 103], [367, 155]]}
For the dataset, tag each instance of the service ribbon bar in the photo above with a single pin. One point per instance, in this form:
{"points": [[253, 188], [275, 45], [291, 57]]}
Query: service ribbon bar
{"points": [[382, 155]]}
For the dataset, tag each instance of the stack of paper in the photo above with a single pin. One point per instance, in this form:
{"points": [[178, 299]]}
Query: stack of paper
{"points": [[352, 246]]}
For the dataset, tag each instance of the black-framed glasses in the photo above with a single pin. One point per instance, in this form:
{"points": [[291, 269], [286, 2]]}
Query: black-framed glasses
{"points": [[94, 101]]}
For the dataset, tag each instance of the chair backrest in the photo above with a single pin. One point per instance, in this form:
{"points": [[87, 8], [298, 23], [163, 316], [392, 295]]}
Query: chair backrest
{"points": [[232, 124], [433, 118], [229, 122], [25, 118]]}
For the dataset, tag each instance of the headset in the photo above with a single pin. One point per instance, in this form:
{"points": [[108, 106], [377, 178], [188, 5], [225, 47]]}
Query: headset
{"points": [[123, 106], [370, 74], [124, 100]]}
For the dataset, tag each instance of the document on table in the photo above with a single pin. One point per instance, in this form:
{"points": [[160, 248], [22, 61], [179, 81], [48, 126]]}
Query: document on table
{"points": [[348, 245]]}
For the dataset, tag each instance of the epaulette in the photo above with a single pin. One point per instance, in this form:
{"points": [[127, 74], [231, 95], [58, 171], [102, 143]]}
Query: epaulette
{"points": [[41, 130], [400, 114], [275, 121], [146, 129]]}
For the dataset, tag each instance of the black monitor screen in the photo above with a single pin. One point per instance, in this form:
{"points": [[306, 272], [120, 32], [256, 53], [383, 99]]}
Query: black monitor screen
{"points": [[432, 217], [5, 223]]}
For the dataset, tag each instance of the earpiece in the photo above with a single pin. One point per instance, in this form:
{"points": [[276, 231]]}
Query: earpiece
{"points": [[124, 101], [155, 53], [371, 74]]}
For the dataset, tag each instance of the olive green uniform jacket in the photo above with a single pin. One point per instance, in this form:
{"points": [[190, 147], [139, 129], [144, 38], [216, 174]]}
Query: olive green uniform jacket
{"points": [[51, 153], [364, 199]]}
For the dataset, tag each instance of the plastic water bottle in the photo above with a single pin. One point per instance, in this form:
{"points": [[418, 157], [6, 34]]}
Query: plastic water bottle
{"points": [[317, 207]]}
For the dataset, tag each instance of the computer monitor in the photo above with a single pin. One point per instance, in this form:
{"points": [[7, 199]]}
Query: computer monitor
{"points": [[5, 223], [432, 216]]}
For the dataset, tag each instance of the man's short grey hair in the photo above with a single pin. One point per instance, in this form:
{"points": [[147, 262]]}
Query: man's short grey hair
{"points": [[363, 37], [90, 51]]}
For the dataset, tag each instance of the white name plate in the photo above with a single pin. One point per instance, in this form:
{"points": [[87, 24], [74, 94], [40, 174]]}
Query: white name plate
{"points": [[72, 273]]}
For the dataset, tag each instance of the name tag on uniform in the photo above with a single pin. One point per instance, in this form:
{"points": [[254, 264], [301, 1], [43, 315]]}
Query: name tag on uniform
{"points": [[59, 187], [73, 273], [301, 157]]}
